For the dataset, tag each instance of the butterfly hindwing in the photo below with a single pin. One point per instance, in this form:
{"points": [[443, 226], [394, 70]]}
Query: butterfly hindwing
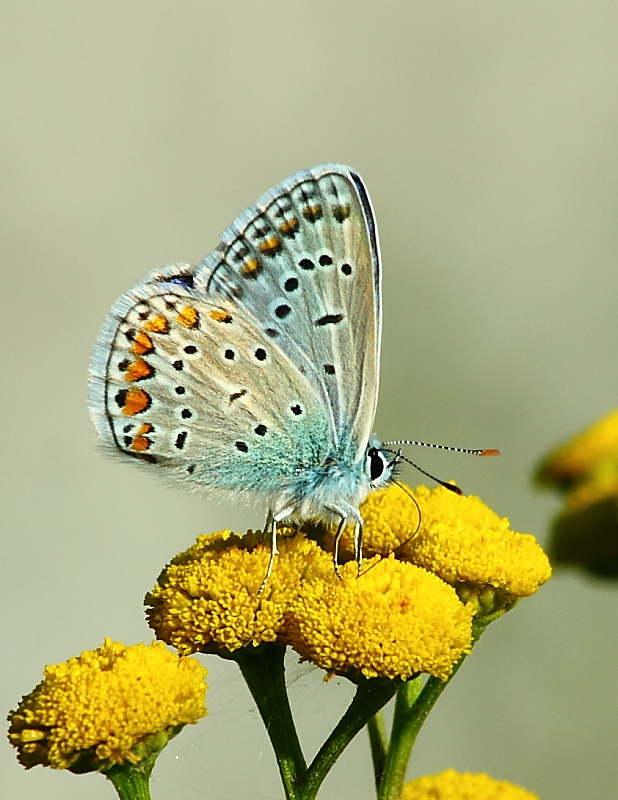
{"points": [[194, 385], [304, 262]]}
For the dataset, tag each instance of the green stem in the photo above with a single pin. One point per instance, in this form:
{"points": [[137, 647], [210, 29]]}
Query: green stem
{"points": [[131, 781], [263, 670], [411, 710], [371, 695], [378, 741]]}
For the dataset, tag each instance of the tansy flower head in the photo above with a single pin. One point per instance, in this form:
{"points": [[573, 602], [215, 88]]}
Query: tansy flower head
{"points": [[107, 706], [460, 539], [582, 456], [451, 785], [393, 621], [207, 599], [585, 533]]}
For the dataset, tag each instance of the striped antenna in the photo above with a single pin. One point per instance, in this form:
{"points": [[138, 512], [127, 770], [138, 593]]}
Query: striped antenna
{"points": [[483, 452]]}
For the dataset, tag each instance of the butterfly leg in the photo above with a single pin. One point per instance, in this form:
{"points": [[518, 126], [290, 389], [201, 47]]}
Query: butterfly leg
{"points": [[338, 535], [271, 526]]}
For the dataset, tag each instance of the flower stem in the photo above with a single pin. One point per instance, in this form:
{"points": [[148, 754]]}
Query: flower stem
{"points": [[264, 672], [412, 707], [371, 695], [378, 741], [131, 781], [411, 710]]}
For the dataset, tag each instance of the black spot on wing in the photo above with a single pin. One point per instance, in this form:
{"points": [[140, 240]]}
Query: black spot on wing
{"points": [[282, 311], [181, 280], [329, 319]]}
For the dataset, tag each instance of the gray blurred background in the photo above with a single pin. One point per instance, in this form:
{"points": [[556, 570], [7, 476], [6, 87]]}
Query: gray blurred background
{"points": [[487, 132]]}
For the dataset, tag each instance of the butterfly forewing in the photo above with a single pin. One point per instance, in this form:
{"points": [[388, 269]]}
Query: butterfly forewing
{"points": [[195, 385], [304, 263]]}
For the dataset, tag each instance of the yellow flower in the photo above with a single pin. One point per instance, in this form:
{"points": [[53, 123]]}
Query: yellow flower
{"points": [[107, 706], [460, 539], [393, 621], [578, 458], [207, 598], [585, 533], [451, 785]]}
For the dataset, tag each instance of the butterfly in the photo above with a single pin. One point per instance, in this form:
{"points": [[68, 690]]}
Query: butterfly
{"points": [[256, 372]]}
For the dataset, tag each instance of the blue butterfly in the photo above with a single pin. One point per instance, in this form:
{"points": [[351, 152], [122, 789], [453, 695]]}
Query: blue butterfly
{"points": [[256, 371]]}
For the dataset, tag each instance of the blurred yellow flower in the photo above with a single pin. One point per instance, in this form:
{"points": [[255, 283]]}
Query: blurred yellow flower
{"points": [[393, 621], [585, 532], [581, 456], [107, 706], [460, 539], [451, 785], [207, 598]]}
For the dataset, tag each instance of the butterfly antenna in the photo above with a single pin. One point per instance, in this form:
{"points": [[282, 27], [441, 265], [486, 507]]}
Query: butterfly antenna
{"points": [[420, 516], [476, 452], [400, 457]]}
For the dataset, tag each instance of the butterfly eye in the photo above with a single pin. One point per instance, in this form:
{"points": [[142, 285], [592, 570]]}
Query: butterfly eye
{"points": [[376, 463]]}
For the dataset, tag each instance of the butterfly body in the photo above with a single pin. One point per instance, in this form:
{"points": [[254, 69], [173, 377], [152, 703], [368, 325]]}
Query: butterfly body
{"points": [[256, 371]]}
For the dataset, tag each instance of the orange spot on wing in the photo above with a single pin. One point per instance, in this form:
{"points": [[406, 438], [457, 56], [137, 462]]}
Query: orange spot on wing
{"points": [[250, 268], [158, 324], [312, 213], [145, 428], [136, 400], [140, 443], [188, 317], [270, 246], [289, 227], [138, 370], [219, 316], [142, 344]]}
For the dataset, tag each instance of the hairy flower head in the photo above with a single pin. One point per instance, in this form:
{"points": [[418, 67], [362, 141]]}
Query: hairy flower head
{"points": [[451, 785], [393, 621], [207, 599], [107, 706], [459, 538]]}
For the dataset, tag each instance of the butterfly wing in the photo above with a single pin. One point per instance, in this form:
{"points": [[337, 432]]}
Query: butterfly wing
{"points": [[261, 363], [304, 261], [194, 385]]}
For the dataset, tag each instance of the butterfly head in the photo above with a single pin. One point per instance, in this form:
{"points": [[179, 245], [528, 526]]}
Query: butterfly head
{"points": [[380, 464]]}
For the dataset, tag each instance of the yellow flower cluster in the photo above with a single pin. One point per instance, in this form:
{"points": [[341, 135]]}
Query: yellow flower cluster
{"points": [[586, 470], [393, 621], [455, 537], [451, 785], [399, 617], [207, 599], [107, 706]]}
